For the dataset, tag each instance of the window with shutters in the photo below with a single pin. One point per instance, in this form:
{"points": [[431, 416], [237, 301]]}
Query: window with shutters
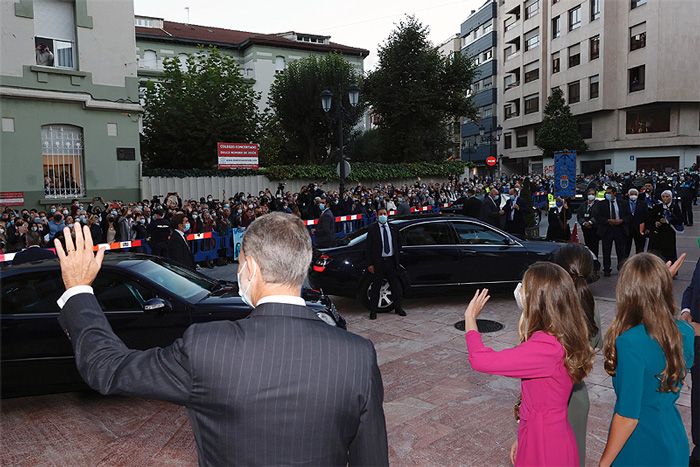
{"points": [[532, 71], [595, 9], [149, 60], [585, 128], [62, 153], [182, 59], [636, 78], [532, 7], [594, 87], [638, 36], [575, 18], [556, 63], [280, 65], [532, 39], [532, 103], [574, 92], [594, 48], [521, 138], [54, 33], [574, 55], [556, 27]]}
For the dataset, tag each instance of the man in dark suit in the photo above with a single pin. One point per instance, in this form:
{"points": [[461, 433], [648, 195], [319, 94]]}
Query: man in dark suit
{"points": [[472, 205], [325, 231], [515, 210], [279, 388], [612, 218], [491, 211], [178, 248], [383, 248], [690, 305], [159, 234], [586, 220], [33, 252], [638, 217]]}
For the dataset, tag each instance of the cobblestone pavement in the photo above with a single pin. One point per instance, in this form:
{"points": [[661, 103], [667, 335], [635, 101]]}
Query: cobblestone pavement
{"points": [[439, 412]]}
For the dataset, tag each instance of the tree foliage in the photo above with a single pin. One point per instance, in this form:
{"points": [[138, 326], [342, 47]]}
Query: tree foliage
{"points": [[559, 129], [192, 108], [415, 92], [310, 134]]}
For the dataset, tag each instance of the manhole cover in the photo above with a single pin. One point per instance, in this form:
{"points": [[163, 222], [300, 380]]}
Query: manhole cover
{"points": [[484, 325]]}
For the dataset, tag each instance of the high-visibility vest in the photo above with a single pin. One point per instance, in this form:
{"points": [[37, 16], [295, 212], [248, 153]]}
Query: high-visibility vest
{"points": [[552, 200], [600, 196]]}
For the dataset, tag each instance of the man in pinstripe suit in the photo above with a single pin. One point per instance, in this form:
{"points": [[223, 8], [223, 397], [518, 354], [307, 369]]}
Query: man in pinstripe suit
{"points": [[280, 387]]}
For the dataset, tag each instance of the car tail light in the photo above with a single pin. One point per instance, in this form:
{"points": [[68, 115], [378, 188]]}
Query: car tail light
{"points": [[321, 263]]}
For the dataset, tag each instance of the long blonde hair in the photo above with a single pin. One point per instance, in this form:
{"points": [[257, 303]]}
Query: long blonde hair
{"points": [[645, 296], [551, 304]]}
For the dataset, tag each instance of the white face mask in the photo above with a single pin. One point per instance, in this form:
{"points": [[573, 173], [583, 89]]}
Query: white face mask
{"points": [[244, 294], [633, 197], [518, 294]]}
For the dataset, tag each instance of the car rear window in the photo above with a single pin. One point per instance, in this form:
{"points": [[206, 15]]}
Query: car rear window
{"points": [[178, 280]]}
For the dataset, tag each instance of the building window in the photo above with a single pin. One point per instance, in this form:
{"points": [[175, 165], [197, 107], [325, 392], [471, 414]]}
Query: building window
{"points": [[556, 64], [182, 60], [636, 77], [509, 23], [575, 18], [594, 49], [488, 55], [532, 7], [279, 65], [532, 71], [486, 111], [595, 9], [574, 55], [593, 87], [521, 138], [149, 60], [532, 103], [556, 27], [54, 34], [532, 39], [487, 27], [62, 154], [585, 128], [487, 82], [507, 140], [511, 109], [638, 36], [636, 3], [574, 92], [648, 120]]}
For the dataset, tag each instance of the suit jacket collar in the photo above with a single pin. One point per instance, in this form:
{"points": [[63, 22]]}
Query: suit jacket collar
{"points": [[284, 310]]}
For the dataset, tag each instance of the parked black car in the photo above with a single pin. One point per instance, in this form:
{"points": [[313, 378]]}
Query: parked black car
{"points": [[148, 301], [439, 253]]}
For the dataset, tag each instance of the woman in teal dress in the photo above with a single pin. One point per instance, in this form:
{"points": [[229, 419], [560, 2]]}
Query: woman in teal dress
{"points": [[648, 353]]}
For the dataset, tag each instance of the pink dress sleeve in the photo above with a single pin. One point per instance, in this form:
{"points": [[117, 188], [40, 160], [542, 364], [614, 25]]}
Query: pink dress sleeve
{"points": [[535, 358]]}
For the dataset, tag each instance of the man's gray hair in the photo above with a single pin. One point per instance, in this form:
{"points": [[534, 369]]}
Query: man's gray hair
{"points": [[281, 245], [633, 191]]}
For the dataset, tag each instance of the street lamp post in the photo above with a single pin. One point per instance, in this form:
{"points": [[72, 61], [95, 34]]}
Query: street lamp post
{"points": [[492, 140], [327, 105]]}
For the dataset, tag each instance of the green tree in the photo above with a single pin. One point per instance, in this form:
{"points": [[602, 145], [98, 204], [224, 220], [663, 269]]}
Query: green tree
{"points": [[295, 96], [416, 92], [192, 108], [559, 129]]}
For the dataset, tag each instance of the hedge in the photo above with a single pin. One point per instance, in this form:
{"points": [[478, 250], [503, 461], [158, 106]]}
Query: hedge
{"points": [[361, 171]]}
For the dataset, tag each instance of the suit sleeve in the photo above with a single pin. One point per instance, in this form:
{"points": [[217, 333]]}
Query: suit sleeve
{"points": [[691, 292], [370, 446], [109, 367]]}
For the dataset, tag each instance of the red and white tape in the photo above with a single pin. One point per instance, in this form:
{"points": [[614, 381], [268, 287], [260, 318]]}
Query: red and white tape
{"points": [[199, 236]]}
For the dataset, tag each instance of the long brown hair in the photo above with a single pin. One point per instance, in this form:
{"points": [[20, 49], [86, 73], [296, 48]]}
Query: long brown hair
{"points": [[551, 304], [645, 296], [576, 260]]}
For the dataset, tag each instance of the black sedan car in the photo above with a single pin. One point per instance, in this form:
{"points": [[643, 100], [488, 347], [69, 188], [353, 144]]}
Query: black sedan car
{"points": [[439, 253], [148, 301]]}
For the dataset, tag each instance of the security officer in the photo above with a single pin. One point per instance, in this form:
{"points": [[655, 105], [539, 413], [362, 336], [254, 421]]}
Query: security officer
{"points": [[158, 234], [586, 220], [685, 192]]}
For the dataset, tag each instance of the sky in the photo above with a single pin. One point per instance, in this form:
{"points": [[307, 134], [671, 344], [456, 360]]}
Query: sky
{"points": [[358, 23]]}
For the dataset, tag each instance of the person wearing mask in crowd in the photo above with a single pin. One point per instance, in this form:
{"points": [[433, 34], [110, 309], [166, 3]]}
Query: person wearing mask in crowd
{"points": [[236, 424], [612, 219], [663, 222], [576, 260], [686, 192], [96, 229], [33, 252], [110, 229], [403, 208], [586, 220], [554, 354], [638, 217], [648, 353], [16, 235], [139, 231], [325, 230], [515, 209], [158, 234], [248, 217], [647, 195], [559, 215], [690, 312], [56, 225], [472, 206], [383, 253], [178, 247], [124, 225], [491, 211]]}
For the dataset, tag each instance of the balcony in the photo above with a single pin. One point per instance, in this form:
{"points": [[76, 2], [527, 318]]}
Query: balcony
{"points": [[486, 13], [485, 42]]}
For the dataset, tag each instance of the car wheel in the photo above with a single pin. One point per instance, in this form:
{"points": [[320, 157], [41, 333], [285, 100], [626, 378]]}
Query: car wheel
{"points": [[386, 299]]}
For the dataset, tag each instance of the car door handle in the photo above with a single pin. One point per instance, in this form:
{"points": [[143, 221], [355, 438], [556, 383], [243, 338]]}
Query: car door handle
{"points": [[467, 252]]}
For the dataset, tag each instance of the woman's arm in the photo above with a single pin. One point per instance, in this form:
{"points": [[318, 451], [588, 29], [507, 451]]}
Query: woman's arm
{"points": [[620, 431]]}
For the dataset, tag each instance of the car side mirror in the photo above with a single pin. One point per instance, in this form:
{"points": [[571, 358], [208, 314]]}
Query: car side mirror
{"points": [[157, 306]]}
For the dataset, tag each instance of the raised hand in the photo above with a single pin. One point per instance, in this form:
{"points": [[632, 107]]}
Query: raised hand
{"points": [[477, 304], [675, 267], [79, 264]]}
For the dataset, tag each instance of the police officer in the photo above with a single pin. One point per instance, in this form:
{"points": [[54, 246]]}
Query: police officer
{"points": [[159, 233], [685, 192], [586, 220]]}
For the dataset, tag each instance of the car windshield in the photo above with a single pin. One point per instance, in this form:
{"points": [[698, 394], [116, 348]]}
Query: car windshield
{"points": [[179, 280], [355, 237]]}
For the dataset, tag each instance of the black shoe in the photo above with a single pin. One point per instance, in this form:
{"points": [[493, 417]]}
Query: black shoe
{"points": [[400, 312], [606, 273], [372, 315]]}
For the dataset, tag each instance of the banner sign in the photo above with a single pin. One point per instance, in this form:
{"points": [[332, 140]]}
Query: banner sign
{"points": [[237, 155], [11, 198], [237, 242], [565, 174]]}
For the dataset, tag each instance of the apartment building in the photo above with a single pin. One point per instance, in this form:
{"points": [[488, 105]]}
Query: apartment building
{"points": [[260, 56], [479, 41], [628, 70], [69, 100]]}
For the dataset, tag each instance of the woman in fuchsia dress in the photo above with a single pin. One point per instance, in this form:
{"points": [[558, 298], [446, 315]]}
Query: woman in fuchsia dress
{"points": [[554, 354]]}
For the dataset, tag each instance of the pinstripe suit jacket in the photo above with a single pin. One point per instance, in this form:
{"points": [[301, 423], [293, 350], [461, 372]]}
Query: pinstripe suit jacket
{"points": [[280, 387]]}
